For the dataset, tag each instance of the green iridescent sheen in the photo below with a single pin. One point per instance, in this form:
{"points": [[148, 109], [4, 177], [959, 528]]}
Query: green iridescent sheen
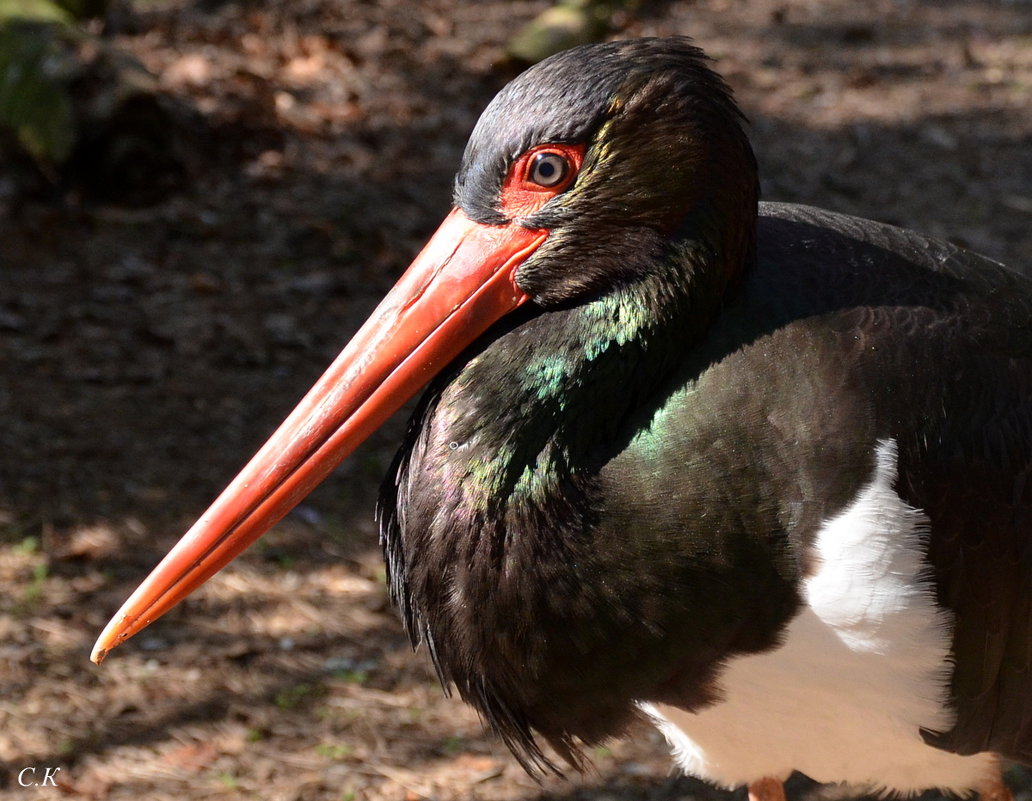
{"points": [[546, 373], [617, 318]]}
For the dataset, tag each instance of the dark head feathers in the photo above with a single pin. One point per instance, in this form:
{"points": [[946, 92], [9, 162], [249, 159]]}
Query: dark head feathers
{"points": [[568, 97]]}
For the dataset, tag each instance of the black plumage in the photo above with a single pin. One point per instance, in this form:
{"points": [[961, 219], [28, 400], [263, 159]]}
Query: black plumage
{"points": [[844, 332], [773, 414]]}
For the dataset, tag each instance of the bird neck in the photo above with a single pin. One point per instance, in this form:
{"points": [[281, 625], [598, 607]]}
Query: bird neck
{"points": [[488, 522], [554, 394]]}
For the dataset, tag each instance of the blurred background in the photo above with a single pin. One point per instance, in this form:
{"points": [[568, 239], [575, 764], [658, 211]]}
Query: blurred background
{"points": [[200, 200]]}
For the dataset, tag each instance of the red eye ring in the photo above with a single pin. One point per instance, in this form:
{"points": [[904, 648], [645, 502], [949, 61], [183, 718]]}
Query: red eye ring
{"points": [[526, 188]]}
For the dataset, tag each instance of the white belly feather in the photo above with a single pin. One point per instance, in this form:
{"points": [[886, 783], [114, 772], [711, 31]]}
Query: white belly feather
{"points": [[862, 668]]}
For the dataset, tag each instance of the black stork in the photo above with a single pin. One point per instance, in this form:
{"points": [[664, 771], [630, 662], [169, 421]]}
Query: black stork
{"points": [[757, 472]]}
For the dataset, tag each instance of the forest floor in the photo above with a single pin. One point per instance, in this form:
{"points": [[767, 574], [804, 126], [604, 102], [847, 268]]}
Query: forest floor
{"points": [[146, 350]]}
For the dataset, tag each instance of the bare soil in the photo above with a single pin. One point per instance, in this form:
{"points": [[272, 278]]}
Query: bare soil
{"points": [[147, 350]]}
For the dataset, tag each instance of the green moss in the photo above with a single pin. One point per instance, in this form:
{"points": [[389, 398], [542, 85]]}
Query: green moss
{"points": [[334, 751], [34, 10], [34, 99]]}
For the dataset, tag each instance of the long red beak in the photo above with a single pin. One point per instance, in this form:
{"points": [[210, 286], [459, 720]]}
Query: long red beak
{"points": [[460, 284]]}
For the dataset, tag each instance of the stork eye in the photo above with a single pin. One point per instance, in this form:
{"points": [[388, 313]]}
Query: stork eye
{"points": [[548, 169], [537, 176]]}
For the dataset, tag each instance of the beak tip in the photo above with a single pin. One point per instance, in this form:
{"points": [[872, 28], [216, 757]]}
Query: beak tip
{"points": [[98, 654], [113, 635]]}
